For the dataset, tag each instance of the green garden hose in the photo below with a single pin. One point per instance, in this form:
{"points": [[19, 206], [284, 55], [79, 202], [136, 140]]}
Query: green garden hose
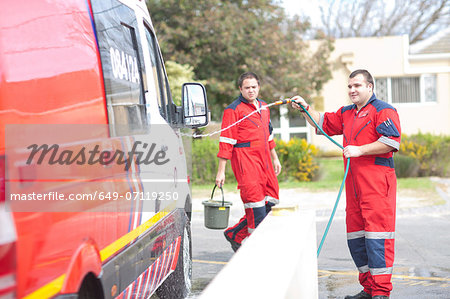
{"points": [[342, 184]]}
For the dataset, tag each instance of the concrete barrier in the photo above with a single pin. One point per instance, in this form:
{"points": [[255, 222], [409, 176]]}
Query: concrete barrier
{"points": [[279, 260]]}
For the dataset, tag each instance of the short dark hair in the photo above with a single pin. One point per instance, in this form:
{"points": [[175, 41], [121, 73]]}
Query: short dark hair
{"points": [[366, 75], [247, 75]]}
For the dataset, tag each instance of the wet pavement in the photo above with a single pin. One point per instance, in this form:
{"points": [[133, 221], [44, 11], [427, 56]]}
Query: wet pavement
{"points": [[422, 262]]}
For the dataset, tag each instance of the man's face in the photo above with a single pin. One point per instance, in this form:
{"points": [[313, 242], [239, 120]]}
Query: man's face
{"points": [[359, 90], [250, 89]]}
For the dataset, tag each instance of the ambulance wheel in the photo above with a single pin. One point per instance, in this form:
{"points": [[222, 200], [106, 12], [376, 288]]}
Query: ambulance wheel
{"points": [[90, 288], [178, 284]]}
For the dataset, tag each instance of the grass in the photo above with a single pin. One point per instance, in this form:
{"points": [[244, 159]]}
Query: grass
{"points": [[330, 178]]}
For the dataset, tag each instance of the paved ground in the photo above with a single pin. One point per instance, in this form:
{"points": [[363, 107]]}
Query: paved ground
{"points": [[422, 264]]}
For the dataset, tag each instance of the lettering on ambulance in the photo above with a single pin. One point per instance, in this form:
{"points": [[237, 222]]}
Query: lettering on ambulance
{"points": [[124, 66]]}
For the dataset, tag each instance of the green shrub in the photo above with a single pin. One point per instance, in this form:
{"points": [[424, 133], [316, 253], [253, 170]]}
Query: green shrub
{"points": [[430, 151], [297, 160], [406, 166], [205, 162]]}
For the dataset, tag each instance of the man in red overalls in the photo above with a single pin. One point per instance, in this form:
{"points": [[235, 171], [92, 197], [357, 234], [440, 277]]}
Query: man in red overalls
{"points": [[250, 147], [371, 130]]}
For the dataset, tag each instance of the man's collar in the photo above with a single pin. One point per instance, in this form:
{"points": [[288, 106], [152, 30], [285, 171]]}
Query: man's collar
{"points": [[372, 98], [244, 100]]}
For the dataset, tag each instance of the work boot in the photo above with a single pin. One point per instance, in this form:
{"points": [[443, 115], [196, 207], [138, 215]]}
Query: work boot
{"points": [[360, 295], [234, 245], [380, 297]]}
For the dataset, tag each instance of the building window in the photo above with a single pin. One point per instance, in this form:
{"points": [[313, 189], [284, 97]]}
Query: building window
{"points": [[429, 83], [288, 124], [405, 90], [381, 89], [400, 90]]}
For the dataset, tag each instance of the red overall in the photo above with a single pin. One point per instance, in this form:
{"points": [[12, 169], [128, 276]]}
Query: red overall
{"points": [[248, 146], [370, 190]]}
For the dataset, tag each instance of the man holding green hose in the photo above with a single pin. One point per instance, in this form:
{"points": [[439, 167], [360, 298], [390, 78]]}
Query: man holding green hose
{"points": [[371, 133]]}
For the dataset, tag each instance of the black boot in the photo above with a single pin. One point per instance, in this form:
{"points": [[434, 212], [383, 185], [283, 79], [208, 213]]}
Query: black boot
{"points": [[360, 295]]}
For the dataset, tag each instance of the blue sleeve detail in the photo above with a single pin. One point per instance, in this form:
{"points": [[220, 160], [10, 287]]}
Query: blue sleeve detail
{"points": [[270, 127], [381, 105], [234, 104], [388, 129], [349, 107]]}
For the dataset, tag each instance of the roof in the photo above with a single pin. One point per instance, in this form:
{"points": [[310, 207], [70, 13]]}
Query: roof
{"points": [[437, 43]]}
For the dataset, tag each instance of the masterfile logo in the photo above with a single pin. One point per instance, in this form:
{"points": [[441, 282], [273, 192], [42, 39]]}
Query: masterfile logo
{"points": [[69, 168], [140, 153]]}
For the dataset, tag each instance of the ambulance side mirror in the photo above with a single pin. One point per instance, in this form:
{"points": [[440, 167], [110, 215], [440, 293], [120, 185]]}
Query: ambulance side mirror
{"points": [[194, 105]]}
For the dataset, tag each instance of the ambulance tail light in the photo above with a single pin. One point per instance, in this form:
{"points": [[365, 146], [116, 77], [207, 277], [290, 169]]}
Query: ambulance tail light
{"points": [[7, 243]]}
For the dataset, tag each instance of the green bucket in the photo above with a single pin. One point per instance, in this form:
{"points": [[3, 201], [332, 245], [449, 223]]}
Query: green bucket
{"points": [[216, 212]]}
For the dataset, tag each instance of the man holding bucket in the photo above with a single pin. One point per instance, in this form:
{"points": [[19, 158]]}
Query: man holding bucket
{"points": [[250, 147]]}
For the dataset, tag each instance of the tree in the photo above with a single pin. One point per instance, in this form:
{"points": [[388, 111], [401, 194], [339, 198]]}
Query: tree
{"points": [[222, 39], [417, 18], [177, 75]]}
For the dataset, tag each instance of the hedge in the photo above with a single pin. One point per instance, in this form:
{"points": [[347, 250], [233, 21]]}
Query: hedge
{"points": [[429, 152], [296, 158]]}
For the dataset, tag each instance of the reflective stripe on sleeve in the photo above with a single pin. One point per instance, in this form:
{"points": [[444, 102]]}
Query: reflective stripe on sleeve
{"points": [[390, 142], [227, 140], [356, 235], [271, 137], [321, 120], [380, 235], [381, 271]]}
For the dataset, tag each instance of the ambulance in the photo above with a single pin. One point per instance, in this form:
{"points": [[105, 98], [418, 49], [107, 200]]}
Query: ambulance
{"points": [[95, 197]]}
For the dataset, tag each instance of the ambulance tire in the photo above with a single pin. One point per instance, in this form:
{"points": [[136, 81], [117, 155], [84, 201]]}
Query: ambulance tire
{"points": [[178, 284], [188, 208], [90, 288]]}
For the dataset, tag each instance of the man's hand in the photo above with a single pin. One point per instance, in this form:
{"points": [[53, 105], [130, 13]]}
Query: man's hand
{"points": [[352, 151], [297, 101], [275, 161], [277, 166], [220, 179]]}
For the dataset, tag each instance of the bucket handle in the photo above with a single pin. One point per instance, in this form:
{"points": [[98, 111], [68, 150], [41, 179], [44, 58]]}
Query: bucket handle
{"points": [[223, 197]]}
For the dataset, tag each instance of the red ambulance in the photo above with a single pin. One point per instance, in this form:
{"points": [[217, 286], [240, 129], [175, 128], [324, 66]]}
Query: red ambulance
{"points": [[90, 72]]}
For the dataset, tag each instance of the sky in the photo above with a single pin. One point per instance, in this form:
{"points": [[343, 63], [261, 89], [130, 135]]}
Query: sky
{"points": [[306, 7]]}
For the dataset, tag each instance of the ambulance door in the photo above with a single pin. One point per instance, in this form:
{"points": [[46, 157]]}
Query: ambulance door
{"points": [[172, 182]]}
